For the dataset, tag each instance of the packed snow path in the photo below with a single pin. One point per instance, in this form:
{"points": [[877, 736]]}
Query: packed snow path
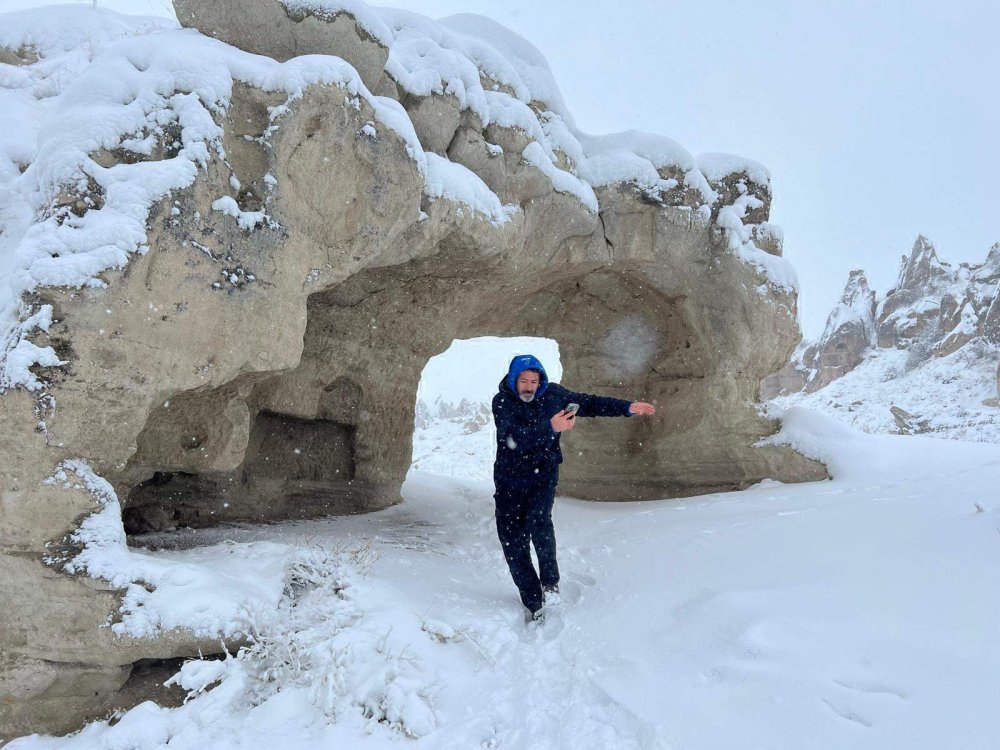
{"points": [[862, 612]]}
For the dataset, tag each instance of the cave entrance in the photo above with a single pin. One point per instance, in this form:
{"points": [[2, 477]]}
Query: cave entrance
{"points": [[225, 454], [453, 431]]}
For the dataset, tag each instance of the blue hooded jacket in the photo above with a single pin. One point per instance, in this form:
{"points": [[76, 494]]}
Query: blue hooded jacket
{"points": [[528, 449]]}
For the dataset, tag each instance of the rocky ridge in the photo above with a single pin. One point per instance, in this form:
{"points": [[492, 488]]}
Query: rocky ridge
{"points": [[936, 333]]}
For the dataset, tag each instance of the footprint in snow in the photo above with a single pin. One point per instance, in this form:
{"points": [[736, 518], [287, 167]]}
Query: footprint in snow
{"points": [[845, 712], [583, 579], [871, 688], [867, 693], [547, 629]]}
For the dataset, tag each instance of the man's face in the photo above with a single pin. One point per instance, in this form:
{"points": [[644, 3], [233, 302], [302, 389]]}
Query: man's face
{"points": [[527, 384]]}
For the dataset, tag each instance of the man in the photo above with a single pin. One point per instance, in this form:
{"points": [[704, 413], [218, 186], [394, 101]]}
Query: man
{"points": [[530, 414]]}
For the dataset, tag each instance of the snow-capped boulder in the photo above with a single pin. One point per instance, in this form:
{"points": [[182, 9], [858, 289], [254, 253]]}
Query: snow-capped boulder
{"points": [[283, 29], [908, 424], [224, 273]]}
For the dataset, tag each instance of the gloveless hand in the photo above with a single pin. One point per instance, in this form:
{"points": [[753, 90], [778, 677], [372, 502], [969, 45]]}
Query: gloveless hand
{"points": [[563, 421], [642, 409]]}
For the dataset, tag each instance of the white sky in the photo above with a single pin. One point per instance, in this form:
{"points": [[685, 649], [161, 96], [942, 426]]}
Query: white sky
{"points": [[472, 368], [877, 120]]}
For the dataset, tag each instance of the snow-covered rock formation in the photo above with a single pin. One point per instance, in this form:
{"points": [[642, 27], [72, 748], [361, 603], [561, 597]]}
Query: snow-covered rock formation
{"points": [[849, 334], [921, 359], [938, 307], [225, 261]]}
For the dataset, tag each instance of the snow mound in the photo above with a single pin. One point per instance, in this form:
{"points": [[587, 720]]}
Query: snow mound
{"points": [[213, 592]]}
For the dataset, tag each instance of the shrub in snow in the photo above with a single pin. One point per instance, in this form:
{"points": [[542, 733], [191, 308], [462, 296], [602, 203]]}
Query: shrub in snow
{"points": [[317, 640]]}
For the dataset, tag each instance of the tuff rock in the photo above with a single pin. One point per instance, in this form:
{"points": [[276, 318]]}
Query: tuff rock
{"points": [[260, 360]]}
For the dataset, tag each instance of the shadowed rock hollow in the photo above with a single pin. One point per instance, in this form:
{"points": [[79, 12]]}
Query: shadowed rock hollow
{"points": [[258, 359]]}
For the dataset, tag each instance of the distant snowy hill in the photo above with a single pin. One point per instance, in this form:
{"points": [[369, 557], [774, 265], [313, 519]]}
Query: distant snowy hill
{"points": [[454, 440], [921, 359]]}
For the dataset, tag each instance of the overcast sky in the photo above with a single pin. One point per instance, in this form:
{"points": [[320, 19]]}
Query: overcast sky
{"points": [[878, 121]]}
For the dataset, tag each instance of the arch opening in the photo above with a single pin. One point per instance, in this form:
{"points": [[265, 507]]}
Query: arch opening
{"points": [[453, 431]]}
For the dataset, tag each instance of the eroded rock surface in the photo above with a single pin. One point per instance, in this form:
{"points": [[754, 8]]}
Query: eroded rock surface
{"points": [[259, 358]]}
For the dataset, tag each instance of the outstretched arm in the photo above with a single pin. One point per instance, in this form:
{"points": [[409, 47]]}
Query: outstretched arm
{"points": [[605, 406], [598, 406]]}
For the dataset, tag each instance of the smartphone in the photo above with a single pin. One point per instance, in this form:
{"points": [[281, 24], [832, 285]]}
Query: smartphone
{"points": [[573, 408]]}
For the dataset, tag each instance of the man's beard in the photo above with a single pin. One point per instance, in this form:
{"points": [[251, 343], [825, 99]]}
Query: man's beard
{"points": [[527, 397]]}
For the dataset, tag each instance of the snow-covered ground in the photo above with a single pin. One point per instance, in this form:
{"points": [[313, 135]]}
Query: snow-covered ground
{"points": [[860, 612]]}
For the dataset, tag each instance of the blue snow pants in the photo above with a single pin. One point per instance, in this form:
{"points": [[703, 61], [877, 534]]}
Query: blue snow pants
{"points": [[524, 518]]}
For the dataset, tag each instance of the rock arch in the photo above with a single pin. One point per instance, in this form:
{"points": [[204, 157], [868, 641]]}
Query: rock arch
{"points": [[289, 300]]}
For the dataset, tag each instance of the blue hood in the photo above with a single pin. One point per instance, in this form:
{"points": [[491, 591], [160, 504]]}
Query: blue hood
{"points": [[524, 362]]}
